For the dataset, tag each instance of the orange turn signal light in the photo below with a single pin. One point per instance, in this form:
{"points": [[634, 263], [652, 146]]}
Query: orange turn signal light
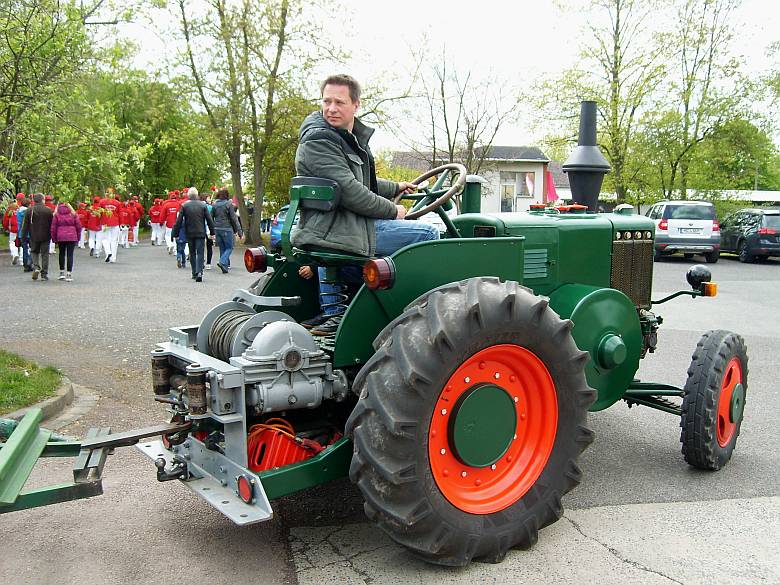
{"points": [[379, 273], [709, 289]]}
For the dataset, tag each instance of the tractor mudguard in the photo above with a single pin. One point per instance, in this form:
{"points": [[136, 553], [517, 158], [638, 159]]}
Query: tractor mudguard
{"points": [[420, 268], [607, 326]]}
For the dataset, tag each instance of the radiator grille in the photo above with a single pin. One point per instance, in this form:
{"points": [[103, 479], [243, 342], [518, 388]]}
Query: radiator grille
{"points": [[535, 265], [632, 269]]}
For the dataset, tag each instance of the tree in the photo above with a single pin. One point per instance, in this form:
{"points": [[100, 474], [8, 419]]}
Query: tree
{"points": [[621, 66], [463, 114]]}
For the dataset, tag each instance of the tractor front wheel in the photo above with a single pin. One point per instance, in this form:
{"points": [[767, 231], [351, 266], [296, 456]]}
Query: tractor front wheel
{"points": [[470, 421], [714, 400]]}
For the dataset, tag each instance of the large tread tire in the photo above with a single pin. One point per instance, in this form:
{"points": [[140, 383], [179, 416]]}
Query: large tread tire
{"points": [[702, 396], [398, 389], [712, 257]]}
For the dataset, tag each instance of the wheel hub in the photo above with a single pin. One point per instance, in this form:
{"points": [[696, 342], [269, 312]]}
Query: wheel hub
{"points": [[482, 425], [737, 403], [493, 429]]}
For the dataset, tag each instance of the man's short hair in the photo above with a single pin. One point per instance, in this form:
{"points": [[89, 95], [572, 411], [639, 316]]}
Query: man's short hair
{"points": [[38, 197], [341, 79], [223, 194], [192, 193]]}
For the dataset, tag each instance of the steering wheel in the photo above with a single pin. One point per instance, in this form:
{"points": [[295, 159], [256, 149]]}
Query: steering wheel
{"points": [[433, 198]]}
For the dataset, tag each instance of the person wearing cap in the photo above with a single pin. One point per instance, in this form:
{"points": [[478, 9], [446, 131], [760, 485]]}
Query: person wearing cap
{"points": [[83, 214], [170, 209], [110, 225], [93, 224], [125, 221], [155, 222], [138, 213]]}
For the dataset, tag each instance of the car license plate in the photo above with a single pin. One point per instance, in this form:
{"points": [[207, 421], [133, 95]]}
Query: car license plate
{"points": [[690, 230]]}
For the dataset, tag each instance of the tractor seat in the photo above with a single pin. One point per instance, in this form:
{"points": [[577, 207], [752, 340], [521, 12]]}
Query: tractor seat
{"points": [[327, 257], [323, 195]]}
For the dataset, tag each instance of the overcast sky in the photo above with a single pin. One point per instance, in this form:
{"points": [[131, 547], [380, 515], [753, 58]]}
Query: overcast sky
{"points": [[519, 41]]}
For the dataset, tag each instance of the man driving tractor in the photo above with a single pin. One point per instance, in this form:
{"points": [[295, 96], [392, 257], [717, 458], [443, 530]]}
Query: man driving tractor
{"points": [[334, 145]]}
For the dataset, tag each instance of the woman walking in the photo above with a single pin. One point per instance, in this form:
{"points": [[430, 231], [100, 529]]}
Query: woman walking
{"points": [[226, 224], [66, 232]]}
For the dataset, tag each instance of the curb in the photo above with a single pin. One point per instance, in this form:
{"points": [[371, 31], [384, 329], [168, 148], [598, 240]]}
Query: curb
{"points": [[63, 396]]}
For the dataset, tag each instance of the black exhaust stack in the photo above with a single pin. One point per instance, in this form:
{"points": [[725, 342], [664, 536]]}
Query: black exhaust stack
{"points": [[586, 166]]}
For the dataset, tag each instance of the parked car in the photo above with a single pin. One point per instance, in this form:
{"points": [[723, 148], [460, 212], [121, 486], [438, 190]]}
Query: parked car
{"points": [[689, 227], [753, 234], [276, 228]]}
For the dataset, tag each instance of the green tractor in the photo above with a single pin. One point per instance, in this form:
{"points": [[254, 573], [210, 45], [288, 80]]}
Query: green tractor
{"points": [[456, 389]]}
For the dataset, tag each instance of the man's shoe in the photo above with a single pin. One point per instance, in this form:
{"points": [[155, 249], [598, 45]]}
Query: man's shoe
{"points": [[62, 275], [15, 261], [36, 273], [208, 267], [328, 328], [44, 277], [178, 263], [222, 268], [199, 278], [92, 251], [108, 258], [69, 277], [315, 321]]}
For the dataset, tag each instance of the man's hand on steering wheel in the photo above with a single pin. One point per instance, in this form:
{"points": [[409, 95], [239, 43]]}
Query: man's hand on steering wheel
{"points": [[405, 188]]}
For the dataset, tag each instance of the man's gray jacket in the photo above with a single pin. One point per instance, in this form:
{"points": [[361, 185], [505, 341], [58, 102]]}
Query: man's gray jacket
{"points": [[195, 215], [343, 157]]}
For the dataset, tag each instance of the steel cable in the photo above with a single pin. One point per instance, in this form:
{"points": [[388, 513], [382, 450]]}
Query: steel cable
{"points": [[223, 331]]}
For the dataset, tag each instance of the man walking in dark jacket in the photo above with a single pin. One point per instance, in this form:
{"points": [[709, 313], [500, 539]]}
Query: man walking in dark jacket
{"points": [[226, 224], [37, 227], [196, 216]]}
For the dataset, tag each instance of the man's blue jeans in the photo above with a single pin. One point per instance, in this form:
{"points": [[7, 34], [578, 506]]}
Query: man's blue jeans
{"points": [[197, 246], [225, 245], [391, 236]]}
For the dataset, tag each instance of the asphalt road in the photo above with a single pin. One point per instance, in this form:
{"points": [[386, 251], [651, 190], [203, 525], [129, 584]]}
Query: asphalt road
{"points": [[640, 515]]}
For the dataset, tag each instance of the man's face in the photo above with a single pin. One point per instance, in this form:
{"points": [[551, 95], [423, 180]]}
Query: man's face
{"points": [[338, 109]]}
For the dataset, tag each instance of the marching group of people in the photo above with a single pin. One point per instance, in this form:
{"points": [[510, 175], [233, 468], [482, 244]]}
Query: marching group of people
{"points": [[180, 223]]}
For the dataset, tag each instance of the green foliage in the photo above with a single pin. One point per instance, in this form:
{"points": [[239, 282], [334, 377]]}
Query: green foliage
{"points": [[23, 382]]}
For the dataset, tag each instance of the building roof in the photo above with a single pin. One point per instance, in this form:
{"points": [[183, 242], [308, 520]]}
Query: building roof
{"points": [[560, 179], [514, 153], [422, 160]]}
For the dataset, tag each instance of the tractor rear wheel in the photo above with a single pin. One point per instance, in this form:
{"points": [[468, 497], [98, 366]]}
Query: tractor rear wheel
{"points": [[470, 419], [714, 400]]}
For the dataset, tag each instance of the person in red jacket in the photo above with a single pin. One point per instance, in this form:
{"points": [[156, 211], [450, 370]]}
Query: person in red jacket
{"points": [[125, 221], [11, 225], [110, 225], [83, 215], [93, 225], [170, 209], [155, 221], [138, 212]]}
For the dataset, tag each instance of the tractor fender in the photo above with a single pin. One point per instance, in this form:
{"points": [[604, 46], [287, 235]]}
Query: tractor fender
{"points": [[606, 325]]}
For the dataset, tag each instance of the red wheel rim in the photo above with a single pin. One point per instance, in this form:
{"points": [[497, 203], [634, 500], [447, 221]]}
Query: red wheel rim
{"points": [[725, 427], [485, 490]]}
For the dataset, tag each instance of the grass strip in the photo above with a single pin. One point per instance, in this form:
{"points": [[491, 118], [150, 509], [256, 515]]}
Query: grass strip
{"points": [[23, 382]]}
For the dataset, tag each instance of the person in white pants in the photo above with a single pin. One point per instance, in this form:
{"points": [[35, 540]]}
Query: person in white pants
{"points": [[12, 246], [110, 242], [123, 233]]}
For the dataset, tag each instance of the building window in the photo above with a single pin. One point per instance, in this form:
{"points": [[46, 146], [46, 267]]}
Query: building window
{"points": [[515, 186]]}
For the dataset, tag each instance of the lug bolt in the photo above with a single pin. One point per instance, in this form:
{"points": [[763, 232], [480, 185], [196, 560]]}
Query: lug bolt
{"points": [[443, 451], [446, 473], [433, 433], [481, 365], [514, 437], [496, 375], [463, 474], [516, 399], [444, 411], [478, 482], [493, 467], [467, 380]]}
